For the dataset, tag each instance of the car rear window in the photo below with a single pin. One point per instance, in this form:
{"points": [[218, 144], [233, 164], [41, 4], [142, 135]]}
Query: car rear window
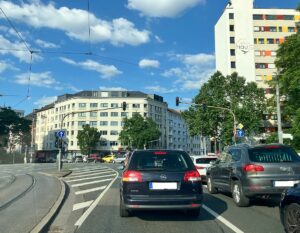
{"points": [[205, 160], [273, 154], [160, 160]]}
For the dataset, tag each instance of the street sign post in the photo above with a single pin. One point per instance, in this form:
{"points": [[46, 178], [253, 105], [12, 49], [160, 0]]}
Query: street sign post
{"points": [[61, 134], [240, 133]]}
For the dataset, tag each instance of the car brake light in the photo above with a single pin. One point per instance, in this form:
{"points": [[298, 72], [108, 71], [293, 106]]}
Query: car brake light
{"points": [[192, 176], [253, 168], [272, 147], [160, 152], [132, 176]]}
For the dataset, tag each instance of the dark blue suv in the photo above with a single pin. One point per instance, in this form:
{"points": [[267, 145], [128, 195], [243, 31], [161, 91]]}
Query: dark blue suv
{"points": [[160, 180]]}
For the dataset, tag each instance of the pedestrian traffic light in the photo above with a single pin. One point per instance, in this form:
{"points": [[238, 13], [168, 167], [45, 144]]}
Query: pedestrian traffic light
{"points": [[124, 106], [177, 101]]}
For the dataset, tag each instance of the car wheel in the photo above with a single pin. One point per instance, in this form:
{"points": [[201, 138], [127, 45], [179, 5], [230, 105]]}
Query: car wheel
{"points": [[123, 211], [238, 195], [291, 218], [193, 213], [210, 186]]}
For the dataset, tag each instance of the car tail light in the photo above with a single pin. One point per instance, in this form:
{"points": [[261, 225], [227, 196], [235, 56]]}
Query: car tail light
{"points": [[160, 152], [132, 176], [272, 147], [192, 176], [253, 168]]}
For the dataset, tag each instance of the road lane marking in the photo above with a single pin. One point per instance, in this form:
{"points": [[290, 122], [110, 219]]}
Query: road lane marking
{"points": [[87, 175], [223, 220], [90, 169], [88, 183], [87, 169], [82, 205], [95, 203], [90, 190], [88, 172], [90, 178]]}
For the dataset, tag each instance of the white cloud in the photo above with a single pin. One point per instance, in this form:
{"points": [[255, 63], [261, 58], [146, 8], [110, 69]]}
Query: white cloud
{"points": [[43, 79], [162, 8], [74, 23], [112, 88], [18, 50], [194, 71], [4, 65], [45, 44], [106, 71], [159, 89], [147, 63], [158, 39], [45, 101]]}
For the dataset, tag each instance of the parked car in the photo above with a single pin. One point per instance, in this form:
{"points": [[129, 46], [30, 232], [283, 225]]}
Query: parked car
{"points": [[202, 163], [78, 159], [164, 179], [95, 158], [290, 209], [108, 158], [252, 171], [119, 159]]}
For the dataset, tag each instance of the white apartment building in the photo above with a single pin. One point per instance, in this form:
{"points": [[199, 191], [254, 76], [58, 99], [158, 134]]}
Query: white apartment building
{"points": [[179, 138], [108, 122], [246, 41]]}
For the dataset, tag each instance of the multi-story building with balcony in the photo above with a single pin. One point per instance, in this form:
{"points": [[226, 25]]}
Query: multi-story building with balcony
{"points": [[246, 41], [108, 118]]}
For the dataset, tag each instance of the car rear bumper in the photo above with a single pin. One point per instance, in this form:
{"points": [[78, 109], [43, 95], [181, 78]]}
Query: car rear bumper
{"points": [[163, 202]]}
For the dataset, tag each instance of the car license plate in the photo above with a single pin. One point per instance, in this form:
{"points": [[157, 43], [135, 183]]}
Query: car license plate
{"points": [[163, 185], [289, 183]]}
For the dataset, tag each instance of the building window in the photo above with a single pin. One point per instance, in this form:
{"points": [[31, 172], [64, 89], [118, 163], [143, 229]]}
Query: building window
{"points": [[135, 105], [232, 64], [256, 29], [271, 17], [279, 29], [270, 41], [72, 143], [104, 114], [104, 105], [232, 40], [231, 16], [261, 41], [114, 105], [114, 132], [113, 123], [93, 123], [124, 114], [93, 114], [82, 105], [72, 132], [145, 105], [93, 105], [273, 29], [122, 123], [81, 123], [258, 17], [261, 65], [145, 114], [291, 29], [288, 17], [231, 28], [232, 52], [82, 114], [114, 114], [103, 132], [277, 41], [113, 143], [271, 66], [103, 143], [103, 123]]}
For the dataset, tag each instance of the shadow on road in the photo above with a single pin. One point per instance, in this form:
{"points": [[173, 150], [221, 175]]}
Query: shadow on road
{"points": [[177, 215]]}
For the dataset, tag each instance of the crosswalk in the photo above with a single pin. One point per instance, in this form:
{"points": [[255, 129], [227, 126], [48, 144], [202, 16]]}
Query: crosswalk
{"points": [[88, 184]]}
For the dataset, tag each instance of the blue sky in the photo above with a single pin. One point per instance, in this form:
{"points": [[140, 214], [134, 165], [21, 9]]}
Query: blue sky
{"points": [[163, 47]]}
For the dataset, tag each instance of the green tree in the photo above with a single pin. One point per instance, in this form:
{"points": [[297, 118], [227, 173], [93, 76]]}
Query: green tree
{"points": [[138, 131], [88, 138], [17, 127], [288, 64], [246, 100]]}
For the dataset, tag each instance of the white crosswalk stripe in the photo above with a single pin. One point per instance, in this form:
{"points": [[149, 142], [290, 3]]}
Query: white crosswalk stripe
{"points": [[82, 205], [92, 182], [90, 174], [90, 190], [90, 178]]}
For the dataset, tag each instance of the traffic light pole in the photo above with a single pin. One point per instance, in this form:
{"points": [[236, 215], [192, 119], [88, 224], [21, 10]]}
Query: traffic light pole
{"points": [[59, 164]]}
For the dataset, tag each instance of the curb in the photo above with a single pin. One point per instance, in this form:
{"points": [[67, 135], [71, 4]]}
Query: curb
{"points": [[54, 210]]}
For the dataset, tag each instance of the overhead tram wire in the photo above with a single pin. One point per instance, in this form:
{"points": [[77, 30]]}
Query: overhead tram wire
{"points": [[89, 25]]}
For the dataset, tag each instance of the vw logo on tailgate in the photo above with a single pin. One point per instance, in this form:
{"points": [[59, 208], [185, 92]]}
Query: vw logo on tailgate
{"points": [[163, 177]]}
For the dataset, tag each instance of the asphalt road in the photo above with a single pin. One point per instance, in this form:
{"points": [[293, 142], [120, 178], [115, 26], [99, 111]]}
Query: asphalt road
{"points": [[93, 206]]}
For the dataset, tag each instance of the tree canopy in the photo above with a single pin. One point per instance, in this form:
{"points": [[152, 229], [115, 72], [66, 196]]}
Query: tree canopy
{"points": [[138, 131], [246, 100], [88, 138]]}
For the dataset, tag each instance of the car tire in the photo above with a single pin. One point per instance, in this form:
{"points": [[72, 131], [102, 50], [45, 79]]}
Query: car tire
{"points": [[123, 211], [210, 186], [291, 219], [238, 195], [193, 213]]}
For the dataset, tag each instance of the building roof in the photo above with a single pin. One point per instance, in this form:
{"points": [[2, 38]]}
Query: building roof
{"points": [[174, 111]]}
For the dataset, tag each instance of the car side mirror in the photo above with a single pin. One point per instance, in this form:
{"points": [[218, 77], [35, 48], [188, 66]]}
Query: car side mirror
{"points": [[121, 167]]}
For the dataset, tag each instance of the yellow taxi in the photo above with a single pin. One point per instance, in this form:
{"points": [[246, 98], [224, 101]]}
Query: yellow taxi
{"points": [[108, 158]]}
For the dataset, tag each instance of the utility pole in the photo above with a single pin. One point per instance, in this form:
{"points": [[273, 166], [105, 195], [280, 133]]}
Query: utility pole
{"points": [[32, 142], [280, 134]]}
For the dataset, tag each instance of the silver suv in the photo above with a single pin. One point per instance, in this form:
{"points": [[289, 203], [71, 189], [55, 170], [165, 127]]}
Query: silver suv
{"points": [[250, 171]]}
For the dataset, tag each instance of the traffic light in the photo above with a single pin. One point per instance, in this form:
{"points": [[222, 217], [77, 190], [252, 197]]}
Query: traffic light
{"points": [[56, 143], [124, 106], [177, 101]]}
